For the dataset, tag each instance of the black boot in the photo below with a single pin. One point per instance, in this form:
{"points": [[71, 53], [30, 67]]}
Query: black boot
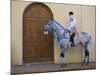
{"points": [[72, 45], [72, 39]]}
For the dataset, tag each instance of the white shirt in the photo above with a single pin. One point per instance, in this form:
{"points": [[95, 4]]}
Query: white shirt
{"points": [[71, 24]]}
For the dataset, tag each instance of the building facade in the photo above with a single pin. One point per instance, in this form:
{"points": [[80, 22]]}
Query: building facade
{"points": [[36, 14]]}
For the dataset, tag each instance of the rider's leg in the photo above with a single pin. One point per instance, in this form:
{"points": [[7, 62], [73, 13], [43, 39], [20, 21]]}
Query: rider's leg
{"points": [[72, 39]]}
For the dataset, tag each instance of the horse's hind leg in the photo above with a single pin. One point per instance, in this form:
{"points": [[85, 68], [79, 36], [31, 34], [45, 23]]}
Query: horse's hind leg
{"points": [[86, 58]]}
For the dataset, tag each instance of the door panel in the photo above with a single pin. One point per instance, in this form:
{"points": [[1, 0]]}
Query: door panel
{"points": [[37, 47]]}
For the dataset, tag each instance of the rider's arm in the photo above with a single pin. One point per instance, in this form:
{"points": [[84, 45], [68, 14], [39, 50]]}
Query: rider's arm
{"points": [[71, 24]]}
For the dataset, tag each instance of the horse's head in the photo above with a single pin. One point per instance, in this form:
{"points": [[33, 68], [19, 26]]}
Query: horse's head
{"points": [[49, 26]]}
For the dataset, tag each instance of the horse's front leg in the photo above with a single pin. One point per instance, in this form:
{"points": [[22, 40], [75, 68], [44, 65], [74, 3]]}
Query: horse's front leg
{"points": [[62, 55]]}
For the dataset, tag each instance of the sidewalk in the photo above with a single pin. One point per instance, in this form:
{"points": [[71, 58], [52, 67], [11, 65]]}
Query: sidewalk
{"points": [[49, 67]]}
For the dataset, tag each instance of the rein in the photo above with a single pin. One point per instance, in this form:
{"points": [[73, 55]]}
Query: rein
{"points": [[64, 35]]}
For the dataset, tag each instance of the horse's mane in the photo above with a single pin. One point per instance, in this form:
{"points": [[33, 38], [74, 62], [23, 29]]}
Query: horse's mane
{"points": [[59, 24]]}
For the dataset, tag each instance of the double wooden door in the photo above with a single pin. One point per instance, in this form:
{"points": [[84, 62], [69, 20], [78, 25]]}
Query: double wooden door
{"points": [[37, 47]]}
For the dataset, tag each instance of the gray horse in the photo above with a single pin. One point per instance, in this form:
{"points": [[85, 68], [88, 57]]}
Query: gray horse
{"points": [[63, 37]]}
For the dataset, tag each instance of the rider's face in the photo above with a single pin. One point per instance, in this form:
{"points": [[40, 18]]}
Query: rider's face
{"points": [[71, 17]]}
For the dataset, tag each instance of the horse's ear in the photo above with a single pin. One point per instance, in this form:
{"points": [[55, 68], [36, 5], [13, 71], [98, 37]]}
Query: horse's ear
{"points": [[49, 20]]}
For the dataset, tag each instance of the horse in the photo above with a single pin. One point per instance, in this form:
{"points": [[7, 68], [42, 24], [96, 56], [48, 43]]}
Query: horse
{"points": [[62, 35]]}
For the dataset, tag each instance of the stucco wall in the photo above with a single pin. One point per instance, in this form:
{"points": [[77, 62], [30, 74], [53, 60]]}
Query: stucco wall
{"points": [[85, 16], [89, 25], [16, 38]]}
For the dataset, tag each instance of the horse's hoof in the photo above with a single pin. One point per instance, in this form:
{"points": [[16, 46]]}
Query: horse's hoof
{"points": [[62, 65], [65, 65], [83, 62], [87, 63]]}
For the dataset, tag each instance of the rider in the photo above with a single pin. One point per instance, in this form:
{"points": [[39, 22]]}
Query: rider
{"points": [[72, 27]]}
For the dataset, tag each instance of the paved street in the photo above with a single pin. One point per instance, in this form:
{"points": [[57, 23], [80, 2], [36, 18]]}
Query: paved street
{"points": [[48, 67]]}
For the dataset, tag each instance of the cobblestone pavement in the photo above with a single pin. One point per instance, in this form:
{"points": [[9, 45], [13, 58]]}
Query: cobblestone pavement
{"points": [[49, 67]]}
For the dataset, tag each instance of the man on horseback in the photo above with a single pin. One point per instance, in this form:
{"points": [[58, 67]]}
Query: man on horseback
{"points": [[71, 27], [62, 35]]}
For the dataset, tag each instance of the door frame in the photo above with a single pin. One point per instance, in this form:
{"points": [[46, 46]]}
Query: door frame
{"points": [[27, 8]]}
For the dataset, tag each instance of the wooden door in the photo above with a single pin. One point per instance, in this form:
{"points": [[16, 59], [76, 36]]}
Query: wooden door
{"points": [[37, 47]]}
